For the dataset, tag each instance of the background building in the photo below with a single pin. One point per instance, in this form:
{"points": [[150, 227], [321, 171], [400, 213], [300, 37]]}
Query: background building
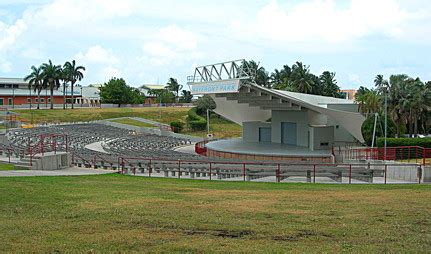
{"points": [[149, 98], [15, 92]]}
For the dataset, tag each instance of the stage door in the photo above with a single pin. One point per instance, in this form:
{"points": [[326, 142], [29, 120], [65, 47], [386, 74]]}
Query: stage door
{"points": [[288, 133]]}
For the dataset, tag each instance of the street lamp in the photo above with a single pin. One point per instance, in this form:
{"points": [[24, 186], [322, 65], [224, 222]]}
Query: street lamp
{"points": [[13, 96], [386, 120], [208, 121], [81, 95]]}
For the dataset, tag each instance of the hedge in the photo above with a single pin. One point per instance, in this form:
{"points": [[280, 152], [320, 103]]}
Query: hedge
{"points": [[177, 126], [392, 142], [195, 121]]}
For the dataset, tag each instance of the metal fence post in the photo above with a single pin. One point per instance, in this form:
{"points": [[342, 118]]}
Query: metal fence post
{"points": [[243, 171], [350, 173], [277, 177], [386, 172], [150, 169], [314, 173], [179, 168], [122, 166], [210, 170]]}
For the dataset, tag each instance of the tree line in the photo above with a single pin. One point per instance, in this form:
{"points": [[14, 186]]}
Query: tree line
{"points": [[296, 78], [50, 76], [408, 100], [116, 91]]}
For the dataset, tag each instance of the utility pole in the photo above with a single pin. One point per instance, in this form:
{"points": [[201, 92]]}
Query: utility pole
{"points": [[208, 121], [386, 121]]}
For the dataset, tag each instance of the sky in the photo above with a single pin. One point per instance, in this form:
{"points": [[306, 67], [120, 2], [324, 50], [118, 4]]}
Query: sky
{"points": [[146, 42]]}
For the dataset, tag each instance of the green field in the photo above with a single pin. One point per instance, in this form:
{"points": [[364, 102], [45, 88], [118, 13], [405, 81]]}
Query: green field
{"points": [[221, 128], [133, 122], [7, 166], [115, 213]]}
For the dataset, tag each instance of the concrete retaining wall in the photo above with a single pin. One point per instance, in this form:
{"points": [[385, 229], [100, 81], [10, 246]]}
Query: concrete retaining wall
{"points": [[51, 161]]}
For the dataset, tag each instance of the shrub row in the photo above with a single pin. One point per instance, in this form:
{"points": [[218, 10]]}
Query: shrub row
{"points": [[392, 142], [195, 121], [177, 126]]}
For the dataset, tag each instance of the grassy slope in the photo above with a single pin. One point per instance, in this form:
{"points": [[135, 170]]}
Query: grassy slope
{"points": [[220, 127], [123, 213]]}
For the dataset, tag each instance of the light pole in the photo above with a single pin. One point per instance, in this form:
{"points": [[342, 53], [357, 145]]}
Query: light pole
{"points": [[374, 129], [386, 120], [208, 121], [13, 96], [30, 96]]}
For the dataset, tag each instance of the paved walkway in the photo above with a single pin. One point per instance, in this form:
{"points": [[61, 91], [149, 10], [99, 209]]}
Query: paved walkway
{"points": [[75, 171], [190, 149], [97, 146]]}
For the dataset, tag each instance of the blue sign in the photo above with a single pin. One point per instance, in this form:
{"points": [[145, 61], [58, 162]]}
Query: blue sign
{"points": [[228, 86]]}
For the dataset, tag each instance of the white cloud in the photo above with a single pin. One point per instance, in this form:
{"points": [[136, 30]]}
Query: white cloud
{"points": [[171, 44], [108, 73], [61, 13], [325, 21], [9, 34], [97, 54], [5, 66], [355, 79]]}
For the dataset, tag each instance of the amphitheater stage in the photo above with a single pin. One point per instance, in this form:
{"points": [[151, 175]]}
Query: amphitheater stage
{"points": [[237, 148]]}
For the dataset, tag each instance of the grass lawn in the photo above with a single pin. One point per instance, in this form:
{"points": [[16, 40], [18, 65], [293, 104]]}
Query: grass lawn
{"points": [[115, 213], [133, 122], [164, 115], [220, 127], [7, 166]]}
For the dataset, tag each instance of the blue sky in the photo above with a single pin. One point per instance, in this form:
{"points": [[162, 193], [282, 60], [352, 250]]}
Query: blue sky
{"points": [[150, 41]]}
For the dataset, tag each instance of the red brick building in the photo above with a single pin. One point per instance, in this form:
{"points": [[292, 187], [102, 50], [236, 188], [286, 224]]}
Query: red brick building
{"points": [[15, 92]]}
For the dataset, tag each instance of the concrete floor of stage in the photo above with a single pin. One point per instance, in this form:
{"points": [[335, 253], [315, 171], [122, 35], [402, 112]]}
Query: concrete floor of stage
{"points": [[266, 149]]}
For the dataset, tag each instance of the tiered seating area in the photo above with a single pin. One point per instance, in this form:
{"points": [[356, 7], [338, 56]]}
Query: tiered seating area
{"points": [[153, 155]]}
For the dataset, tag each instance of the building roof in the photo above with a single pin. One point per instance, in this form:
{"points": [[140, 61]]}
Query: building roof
{"points": [[152, 86], [316, 100], [12, 81]]}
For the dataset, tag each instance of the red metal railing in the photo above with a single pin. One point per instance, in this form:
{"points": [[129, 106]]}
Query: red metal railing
{"points": [[415, 154], [200, 147]]}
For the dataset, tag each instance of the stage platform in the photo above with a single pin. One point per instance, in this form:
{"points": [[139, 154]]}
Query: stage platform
{"points": [[237, 148]]}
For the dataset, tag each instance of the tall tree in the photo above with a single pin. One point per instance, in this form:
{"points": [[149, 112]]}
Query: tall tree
{"points": [[186, 96], [380, 83], [51, 77], [76, 73], [174, 86], [261, 75], [302, 80], [329, 84], [65, 78], [35, 82], [116, 91]]}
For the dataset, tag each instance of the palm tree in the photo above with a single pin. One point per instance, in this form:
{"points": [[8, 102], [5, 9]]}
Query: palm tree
{"points": [[65, 77], [380, 83], [173, 86], [35, 82], [75, 73], [329, 84], [368, 101], [302, 79], [261, 77], [51, 75]]}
